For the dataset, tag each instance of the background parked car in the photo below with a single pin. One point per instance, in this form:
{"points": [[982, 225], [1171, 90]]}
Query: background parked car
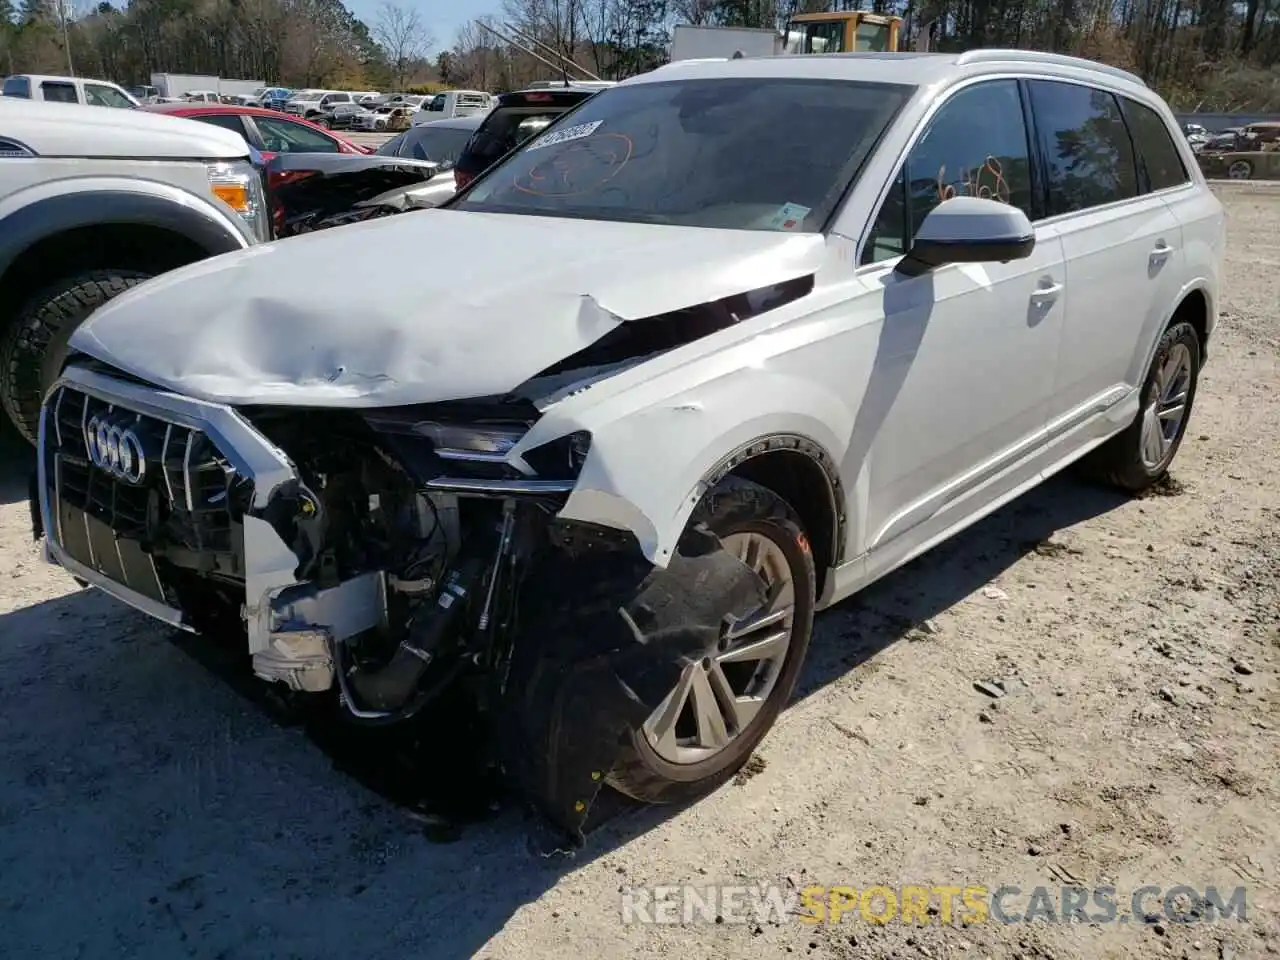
{"points": [[1241, 164], [270, 98], [454, 103], [389, 117], [1255, 136], [441, 141], [340, 116], [318, 191], [69, 244], [305, 103], [513, 119], [266, 130], [1196, 135], [93, 93]]}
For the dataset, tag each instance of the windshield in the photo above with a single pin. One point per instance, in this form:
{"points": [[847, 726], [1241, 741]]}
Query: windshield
{"points": [[744, 154], [428, 142]]}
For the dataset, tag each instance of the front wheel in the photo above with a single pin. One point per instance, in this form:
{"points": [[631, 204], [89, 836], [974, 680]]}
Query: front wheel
{"points": [[1240, 170], [34, 346], [1139, 456], [724, 703]]}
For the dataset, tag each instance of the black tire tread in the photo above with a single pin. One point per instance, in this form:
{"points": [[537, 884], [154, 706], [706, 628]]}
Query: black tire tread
{"points": [[731, 502], [47, 319]]}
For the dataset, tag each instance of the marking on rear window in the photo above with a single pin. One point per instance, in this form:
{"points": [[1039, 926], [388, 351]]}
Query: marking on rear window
{"points": [[577, 132]]}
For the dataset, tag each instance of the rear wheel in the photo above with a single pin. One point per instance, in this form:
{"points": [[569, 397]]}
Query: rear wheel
{"points": [[724, 703], [34, 346], [1240, 170], [1140, 456]]}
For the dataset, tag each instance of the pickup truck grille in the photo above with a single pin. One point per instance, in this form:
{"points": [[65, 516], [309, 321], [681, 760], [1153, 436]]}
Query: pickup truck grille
{"points": [[117, 512]]}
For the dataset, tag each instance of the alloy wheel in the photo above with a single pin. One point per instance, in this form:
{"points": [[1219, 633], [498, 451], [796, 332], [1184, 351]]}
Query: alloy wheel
{"points": [[1240, 170], [716, 698], [1163, 418]]}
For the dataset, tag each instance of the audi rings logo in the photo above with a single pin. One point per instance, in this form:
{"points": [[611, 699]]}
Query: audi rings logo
{"points": [[116, 450]]}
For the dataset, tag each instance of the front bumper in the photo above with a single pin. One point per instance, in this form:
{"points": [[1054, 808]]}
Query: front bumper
{"points": [[106, 528]]}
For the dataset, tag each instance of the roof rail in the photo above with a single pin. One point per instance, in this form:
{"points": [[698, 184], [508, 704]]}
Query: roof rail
{"points": [[1051, 59]]}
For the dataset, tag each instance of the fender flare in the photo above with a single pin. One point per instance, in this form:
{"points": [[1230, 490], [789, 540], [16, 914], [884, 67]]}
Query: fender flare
{"points": [[787, 443], [198, 221], [1198, 285]]}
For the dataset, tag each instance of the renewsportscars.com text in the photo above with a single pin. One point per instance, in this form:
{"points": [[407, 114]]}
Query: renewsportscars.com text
{"points": [[919, 904]]}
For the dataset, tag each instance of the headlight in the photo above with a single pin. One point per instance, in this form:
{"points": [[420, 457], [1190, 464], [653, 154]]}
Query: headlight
{"points": [[237, 184], [480, 450]]}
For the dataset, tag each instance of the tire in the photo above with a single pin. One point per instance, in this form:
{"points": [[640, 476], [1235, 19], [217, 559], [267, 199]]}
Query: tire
{"points": [[1240, 170], [734, 507], [34, 346], [1120, 461]]}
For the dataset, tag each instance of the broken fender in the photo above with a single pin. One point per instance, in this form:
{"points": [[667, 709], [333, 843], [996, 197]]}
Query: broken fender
{"points": [[605, 641]]}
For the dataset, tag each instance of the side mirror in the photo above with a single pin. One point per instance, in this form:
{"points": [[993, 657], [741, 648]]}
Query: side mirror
{"points": [[969, 230]]}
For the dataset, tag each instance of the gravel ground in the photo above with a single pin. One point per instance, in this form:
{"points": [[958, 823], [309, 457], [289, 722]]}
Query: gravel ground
{"points": [[148, 809]]}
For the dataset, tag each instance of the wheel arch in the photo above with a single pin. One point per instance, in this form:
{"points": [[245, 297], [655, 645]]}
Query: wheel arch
{"points": [[1196, 308], [1193, 304], [65, 233], [802, 472]]}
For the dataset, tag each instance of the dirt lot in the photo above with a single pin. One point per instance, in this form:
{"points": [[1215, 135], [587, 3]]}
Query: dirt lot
{"points": [[147, 809]]}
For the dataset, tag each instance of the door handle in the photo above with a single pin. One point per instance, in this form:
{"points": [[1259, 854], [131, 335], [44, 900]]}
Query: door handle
{"points": [[1161, 252], [1046, 294]]}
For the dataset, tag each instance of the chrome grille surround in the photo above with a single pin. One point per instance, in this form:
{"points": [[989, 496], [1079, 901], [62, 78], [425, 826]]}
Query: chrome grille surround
{"points": [[268, 561]]}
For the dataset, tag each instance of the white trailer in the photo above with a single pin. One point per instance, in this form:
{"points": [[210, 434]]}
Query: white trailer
{"points": [[689, 42], [176, 84]]}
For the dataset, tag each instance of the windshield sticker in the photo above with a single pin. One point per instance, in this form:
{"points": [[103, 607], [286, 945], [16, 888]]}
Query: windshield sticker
{"points": [[576, 132], [788, 217]]}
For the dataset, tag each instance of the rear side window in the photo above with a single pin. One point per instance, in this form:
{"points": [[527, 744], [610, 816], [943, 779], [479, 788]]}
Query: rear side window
{"points": [[1157, 154], [59, 92], [228, 121], [504, 130], [17, 87], [1086, 146], [428, 142]]}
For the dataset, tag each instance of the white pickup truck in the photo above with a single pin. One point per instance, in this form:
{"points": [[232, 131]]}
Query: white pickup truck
{"points": [[94, 202]]}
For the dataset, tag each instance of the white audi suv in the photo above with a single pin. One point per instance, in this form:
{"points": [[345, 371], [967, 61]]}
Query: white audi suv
{"points": [[717, 349]]}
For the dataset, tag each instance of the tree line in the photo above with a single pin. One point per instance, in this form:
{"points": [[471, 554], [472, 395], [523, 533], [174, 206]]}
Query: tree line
{"points": [[1212, 55]]}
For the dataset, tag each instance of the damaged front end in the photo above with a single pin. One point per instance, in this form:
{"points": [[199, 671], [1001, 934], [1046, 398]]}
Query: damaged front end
{"points": [[381, 555]]}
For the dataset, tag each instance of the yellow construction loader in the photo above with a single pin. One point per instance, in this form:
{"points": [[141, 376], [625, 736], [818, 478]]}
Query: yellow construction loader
{"points": [[849, 31]]}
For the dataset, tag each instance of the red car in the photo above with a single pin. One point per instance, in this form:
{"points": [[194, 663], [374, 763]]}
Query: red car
{"points": [[266, 130]]}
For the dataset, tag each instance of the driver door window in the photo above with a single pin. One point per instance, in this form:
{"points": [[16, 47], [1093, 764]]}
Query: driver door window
{"points": [[975, 146], [284, 136]]}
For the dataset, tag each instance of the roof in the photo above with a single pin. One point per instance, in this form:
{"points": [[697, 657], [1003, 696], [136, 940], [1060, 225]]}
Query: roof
{"points": [[187, 106], [915, 69]]}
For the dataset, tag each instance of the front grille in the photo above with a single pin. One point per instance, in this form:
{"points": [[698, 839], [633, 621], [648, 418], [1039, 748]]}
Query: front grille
{"points": [[179, 507]]}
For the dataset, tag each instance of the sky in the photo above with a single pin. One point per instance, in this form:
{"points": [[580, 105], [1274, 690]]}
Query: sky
{"points": [[443, 19]]}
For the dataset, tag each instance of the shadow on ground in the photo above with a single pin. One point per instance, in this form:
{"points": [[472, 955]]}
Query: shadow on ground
{"points": [[149, 809], [17, 460]]}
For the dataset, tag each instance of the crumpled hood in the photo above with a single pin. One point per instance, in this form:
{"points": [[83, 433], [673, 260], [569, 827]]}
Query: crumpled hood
{"points": [[421, 307]]}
